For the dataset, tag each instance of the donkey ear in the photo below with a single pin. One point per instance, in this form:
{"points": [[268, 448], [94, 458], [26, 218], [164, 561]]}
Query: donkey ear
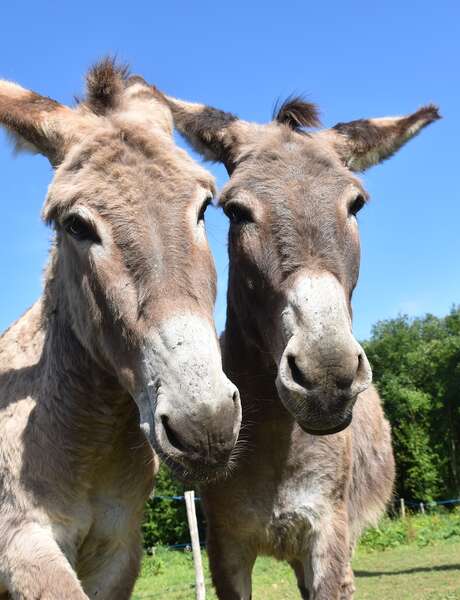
{"points": [[34, 122], [366, 142], [215, 134]]}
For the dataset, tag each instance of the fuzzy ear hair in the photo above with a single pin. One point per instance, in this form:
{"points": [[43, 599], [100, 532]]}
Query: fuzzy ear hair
{"points": [[366, 142], [215, 134], [296, 113], [34, 122]]}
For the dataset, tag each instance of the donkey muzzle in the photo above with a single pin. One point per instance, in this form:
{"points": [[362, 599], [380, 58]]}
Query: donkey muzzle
{"points": [[323, 368], [193, 412]]}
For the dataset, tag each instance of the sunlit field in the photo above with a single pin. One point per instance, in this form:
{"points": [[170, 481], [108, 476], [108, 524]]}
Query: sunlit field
{"points": [[415, 559]]}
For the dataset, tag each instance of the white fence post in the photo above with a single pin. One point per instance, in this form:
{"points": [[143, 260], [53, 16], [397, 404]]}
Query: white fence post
{"points": [[193, 526], [403, 509], [422, 508]]}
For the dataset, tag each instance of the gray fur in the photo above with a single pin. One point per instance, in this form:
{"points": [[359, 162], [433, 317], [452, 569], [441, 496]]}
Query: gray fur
{"points": [[123, 336], [291, 200]]}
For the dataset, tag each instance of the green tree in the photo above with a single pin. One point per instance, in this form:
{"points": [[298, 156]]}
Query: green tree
{"points": [[165, 520], [416, 366]]}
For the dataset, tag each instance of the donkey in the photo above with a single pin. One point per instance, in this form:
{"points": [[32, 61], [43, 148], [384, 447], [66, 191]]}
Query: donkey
{"points": [[120, 349], [297, 494]]}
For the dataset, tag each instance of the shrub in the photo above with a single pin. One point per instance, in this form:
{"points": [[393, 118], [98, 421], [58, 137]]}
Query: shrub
{"points": [[421, 530], [165, 520]]}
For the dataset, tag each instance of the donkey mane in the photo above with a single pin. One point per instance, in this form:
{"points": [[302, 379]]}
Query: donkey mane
{"points": [[105, 82], [296, 112]]}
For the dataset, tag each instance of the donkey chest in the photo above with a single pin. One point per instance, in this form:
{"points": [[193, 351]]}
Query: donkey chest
{"points": [[297, 510], [114, 528], [118, 496], [109, 513], [112, 517], [105, 519], [278, 505]]}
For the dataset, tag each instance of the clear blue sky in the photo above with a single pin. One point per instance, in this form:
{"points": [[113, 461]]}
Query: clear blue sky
{"points": [[355, 59]]}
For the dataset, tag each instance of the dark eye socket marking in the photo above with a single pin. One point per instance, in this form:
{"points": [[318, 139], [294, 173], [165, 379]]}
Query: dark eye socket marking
{"points": [[238, 214], [203, 208], [356, 205], [80, 230]]}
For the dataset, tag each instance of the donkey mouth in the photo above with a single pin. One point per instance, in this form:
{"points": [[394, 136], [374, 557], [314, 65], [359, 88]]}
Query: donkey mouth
{"points": [[188, 462], [189, 469], [328, 430], [197, 473], [316, 415]]}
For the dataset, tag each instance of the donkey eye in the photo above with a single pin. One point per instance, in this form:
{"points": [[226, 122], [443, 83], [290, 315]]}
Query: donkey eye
{"points": [[238, 214], [80, 230], [203, 208], [356, 205]]}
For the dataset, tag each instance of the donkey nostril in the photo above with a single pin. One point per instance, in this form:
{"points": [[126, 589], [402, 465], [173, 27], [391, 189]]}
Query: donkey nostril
{"points": [[235, 397], [297, 375], [344, 383], [344, 380], [360, 371], [173, 438]]}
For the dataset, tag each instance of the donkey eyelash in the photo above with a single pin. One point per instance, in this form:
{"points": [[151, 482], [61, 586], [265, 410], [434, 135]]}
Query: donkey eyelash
{"points": [[80, 229], [356, 204], [238, 214], [203, 208]]}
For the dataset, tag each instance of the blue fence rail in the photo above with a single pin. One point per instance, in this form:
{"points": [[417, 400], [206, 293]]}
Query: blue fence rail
{"points": [[172, 498], [409, 503], [429, 503]]}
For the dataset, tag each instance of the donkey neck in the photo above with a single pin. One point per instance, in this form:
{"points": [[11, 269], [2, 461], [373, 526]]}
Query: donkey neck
{"points": [[267, 428], [72, 381], [77, 397], [254, 373]]}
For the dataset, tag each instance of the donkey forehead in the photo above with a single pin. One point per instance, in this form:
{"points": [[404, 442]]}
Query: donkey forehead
{"points": [[287, 165], [128, 165], [301, 156], [123, 143]]}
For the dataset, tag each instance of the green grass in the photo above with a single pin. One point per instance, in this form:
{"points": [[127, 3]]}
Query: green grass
{"points": [[410, 573], [418, 559]]}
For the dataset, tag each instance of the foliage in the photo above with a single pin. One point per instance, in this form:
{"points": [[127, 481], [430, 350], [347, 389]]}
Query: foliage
{"points": [[416, 366], [165, 519], [421, 530]]}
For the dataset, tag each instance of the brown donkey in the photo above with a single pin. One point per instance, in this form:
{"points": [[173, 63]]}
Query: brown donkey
{"points": [[292, 201], [125, 320]]}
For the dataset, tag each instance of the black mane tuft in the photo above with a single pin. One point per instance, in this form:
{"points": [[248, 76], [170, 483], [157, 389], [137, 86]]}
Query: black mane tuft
{"points": [[296, 113]]}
